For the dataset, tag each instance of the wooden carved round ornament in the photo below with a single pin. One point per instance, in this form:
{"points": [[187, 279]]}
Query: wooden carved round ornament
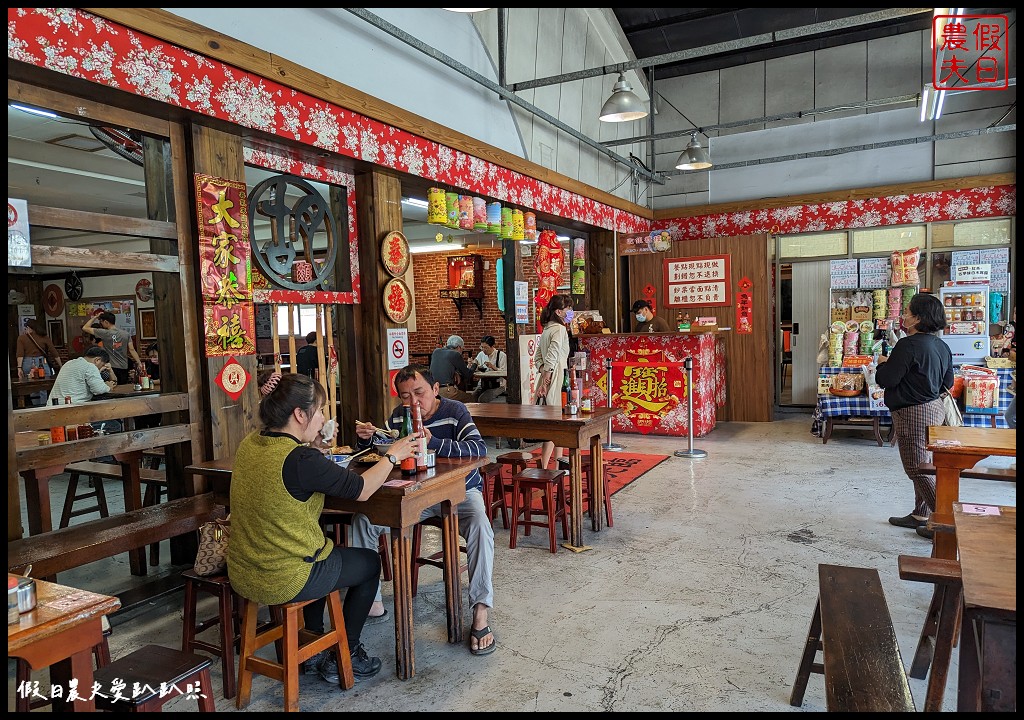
{"points": [[397, 300], [394, 253]]}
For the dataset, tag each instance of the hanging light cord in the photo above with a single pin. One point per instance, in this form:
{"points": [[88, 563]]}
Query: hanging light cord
{"points": [[683, 115]]}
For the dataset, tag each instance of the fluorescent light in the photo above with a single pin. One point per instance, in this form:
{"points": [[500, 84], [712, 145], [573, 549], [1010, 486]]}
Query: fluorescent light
{"points": [[415, 202], [436, 248], [34, 111], [562, 238]]}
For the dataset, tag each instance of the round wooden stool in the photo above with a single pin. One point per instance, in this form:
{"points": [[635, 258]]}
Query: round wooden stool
{"points": [[227, 620]]}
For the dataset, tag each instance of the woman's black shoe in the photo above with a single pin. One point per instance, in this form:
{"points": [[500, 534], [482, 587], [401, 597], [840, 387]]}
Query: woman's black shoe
{"points": [[907, 521], [925, 532]]}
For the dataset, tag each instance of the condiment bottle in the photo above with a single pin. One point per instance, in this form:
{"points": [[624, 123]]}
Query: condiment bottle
{"points": [[565, 389], [56, 431], [70, 431], [421, 444], [408, 465]]}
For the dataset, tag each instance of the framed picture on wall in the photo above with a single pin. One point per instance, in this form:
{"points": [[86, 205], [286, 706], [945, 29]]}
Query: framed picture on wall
{"points": [[147, 324], [55, 329]]}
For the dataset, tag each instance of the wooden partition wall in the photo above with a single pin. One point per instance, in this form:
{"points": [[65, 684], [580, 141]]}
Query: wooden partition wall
{"points": [[749, 358]]}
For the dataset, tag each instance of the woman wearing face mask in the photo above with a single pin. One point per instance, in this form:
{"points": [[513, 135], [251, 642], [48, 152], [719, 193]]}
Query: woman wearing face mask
{"points": [[552, 361], [644, 319], [919, 368]]}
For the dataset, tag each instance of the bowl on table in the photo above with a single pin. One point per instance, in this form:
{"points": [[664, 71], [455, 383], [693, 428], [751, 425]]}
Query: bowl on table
{"points": [[382, 447]]}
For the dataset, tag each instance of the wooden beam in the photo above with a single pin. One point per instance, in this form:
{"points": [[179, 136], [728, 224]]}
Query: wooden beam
{"points": [[62, 453], [62, 219], [43, 418], [83, 109], [84, 257]]}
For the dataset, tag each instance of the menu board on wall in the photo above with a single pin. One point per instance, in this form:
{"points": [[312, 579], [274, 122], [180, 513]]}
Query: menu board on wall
{"points": [[697, 281]]}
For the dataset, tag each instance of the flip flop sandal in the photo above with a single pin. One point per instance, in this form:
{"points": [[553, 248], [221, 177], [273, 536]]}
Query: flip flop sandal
{"points": [[480, 635]]}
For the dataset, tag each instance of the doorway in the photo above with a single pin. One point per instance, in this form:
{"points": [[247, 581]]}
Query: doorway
{"points": [[802, 317]]}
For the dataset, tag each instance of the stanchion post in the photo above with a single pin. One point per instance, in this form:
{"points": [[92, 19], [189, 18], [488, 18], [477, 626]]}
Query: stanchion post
{"points": [[611, 444], [690, 452]]}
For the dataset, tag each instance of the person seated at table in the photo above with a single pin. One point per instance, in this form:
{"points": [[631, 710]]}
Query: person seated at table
{"points": [[82, 378], [152, 361], [279, 482], [915, 374], [491, 358], [35, 350], [644, 319], [450, 370], [450, 432]]}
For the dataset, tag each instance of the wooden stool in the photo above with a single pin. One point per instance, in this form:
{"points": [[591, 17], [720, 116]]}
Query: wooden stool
{"points": [[551, 485], [518, 460], [23, 675], [149, 669], [563, 464], [494, 493], [155, 491], [296, 645], [335, 522], [73, 495], [227, 619], [434, 560]]}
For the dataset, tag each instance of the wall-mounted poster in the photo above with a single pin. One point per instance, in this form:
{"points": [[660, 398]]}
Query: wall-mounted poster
{"points": [[19, 249]]}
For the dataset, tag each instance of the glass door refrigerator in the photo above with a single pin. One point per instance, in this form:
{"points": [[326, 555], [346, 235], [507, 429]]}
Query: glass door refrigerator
{"points": [[967, 321]]}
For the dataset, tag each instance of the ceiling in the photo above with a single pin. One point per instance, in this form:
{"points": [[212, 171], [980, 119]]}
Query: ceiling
{"points": [[658, 31]]}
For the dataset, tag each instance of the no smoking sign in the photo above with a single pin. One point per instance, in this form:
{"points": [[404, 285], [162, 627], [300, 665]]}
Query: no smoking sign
{"points": [[398, 348]]}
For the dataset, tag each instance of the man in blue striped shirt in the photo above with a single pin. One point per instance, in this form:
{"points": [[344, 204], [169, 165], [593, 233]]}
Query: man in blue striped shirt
{"points": [[450, 433]]}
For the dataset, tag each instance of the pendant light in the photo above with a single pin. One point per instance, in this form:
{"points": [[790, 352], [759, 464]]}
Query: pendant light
{"points": [[694, 157], [623, 105]]}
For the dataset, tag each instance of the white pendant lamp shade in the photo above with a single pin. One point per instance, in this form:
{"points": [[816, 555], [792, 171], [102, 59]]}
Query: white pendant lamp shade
{"points": [[694, 157], [623, 105]]}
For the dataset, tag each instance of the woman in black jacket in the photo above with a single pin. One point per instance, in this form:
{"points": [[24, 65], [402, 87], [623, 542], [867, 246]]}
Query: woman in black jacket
{"points": [[918, 370]]}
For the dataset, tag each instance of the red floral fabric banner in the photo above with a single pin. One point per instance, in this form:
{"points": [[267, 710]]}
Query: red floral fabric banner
{"points": [[224, 259]]}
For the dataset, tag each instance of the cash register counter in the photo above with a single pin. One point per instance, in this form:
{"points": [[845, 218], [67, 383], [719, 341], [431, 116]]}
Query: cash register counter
{"points": [[648, 380]]}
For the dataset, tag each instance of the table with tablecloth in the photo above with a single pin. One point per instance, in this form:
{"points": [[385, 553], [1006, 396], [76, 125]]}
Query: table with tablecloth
{"points": [[859, 406]]}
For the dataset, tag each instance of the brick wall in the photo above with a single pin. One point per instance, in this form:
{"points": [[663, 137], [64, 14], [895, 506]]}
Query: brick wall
{"points": [[437, 318]]}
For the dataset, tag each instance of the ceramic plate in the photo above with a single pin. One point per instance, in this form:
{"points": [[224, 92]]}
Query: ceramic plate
{"points": [[394, 253], [397, 300]]}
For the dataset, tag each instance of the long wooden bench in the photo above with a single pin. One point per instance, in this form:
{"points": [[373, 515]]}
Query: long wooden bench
{"points": [[71, 547], [852, 628]]}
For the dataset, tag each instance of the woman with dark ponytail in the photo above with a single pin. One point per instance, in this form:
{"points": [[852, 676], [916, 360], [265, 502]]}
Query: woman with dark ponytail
{"points": [[278, 551]]}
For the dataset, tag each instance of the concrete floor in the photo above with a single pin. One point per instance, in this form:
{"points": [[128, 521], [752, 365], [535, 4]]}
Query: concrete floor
{"points": [[699, 598]]}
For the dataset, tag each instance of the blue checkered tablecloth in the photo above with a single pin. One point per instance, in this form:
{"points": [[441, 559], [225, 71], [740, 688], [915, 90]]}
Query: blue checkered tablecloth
{"points": [[833, 406]]}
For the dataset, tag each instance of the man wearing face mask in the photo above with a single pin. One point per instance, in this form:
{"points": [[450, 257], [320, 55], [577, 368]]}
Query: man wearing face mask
{"points": [[644, 319]]}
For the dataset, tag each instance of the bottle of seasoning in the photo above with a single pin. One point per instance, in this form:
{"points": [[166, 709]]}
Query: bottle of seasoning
{"points": [[56, 431], [421, 444], [565, 389], [70, 431], [408, 465], [574, 390]]}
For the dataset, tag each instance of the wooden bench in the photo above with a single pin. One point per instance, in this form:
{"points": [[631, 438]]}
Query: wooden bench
{"points": [[861, 659], [155, 482], [978, 472], [940, 630], [71, 547]]}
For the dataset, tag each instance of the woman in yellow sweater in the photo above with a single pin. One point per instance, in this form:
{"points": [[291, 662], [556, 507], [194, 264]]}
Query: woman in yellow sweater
{"points": [[278, 551]]}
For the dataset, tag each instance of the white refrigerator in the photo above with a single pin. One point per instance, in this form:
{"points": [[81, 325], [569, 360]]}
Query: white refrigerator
{"points": [[967, 322]]}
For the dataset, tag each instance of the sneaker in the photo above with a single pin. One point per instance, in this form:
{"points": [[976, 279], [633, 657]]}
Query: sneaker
{"points": [[327, 667], [908, 521], [363, 665]]}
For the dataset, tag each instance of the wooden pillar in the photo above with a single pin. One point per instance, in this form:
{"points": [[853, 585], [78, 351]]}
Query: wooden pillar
{"points": [[219, 154], [512, 270], [379, 211]]}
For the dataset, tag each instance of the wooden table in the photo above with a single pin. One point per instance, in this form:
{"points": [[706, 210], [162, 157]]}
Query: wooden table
{"points": [[987, 539], [37, 493], [954, 449], [21, 389], [398, 505], [60, 634], [490, 378], [569, 431]]}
